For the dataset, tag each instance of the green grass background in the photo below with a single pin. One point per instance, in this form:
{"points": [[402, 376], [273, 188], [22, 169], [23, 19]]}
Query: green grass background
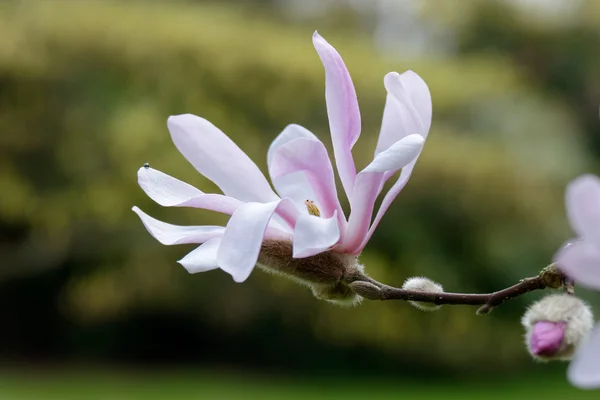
{"points": [[192, 384]]}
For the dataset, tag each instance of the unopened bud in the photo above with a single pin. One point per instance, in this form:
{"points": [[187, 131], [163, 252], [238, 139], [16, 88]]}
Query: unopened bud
{"points": [[324, 272], [422, 284], [556, 325]]}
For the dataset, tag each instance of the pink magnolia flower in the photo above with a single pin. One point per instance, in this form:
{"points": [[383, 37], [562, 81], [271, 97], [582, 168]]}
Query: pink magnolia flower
{"points": [[580, 260], [304, 208]]}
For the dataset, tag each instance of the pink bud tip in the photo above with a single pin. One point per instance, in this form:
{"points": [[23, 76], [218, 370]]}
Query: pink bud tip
{"points": [[546, 338]]}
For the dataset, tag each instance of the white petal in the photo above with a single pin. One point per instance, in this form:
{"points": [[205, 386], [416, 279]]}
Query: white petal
{"points": [[407, 109], [580, 260], [244, 236], [398, 155], [368, 185], [584, 370], [308, 156], [583, 207], [295, 187], [314, 235], [420, 97], [168, 234], [171, 192], [342, 110], [219, 159], [289, 133], [203, 258]]}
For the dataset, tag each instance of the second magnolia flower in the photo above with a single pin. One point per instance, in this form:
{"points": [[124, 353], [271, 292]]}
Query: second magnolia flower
{"points": [[300, 171]]}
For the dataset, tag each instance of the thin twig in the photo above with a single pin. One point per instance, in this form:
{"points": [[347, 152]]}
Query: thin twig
{"points": [[549, 277]]}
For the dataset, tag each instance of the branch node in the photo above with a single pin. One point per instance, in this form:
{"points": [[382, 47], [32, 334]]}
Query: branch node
{"points": [[552, 277]]}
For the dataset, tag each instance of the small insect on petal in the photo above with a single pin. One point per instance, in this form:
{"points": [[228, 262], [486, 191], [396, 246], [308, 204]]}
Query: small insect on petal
{"points": [[146, 165], [312, 208]]}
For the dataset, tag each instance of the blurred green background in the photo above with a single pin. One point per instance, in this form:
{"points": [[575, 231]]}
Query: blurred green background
{"points": [[92, 307]]}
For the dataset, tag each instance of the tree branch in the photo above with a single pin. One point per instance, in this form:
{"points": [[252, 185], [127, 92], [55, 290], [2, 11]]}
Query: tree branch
{"points": [[549, 277]]}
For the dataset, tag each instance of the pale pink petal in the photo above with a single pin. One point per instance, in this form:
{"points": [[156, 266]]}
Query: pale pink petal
{"points": [[398, 155], [367, 185], [243, 237], [310, 157], [203, 258], [583, 207], [418, 93], [407, 109], [168, 234], [170, 192], [314, 235], [342, 109], [580, 260], [289, 133], [294, 186], [288, 212], [219, 159], [584, 370]]}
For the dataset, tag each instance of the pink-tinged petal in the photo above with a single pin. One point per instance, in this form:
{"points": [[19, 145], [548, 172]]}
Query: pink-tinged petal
{"points": [[362, 203], [583, 207], [295, 186], [407, 109], [219, 159], [203, 258], [342, 109], [367, 186], [288, 212], [289, 133], [418, 93], [170, 192], [388, 199], [398, 155], [314, 235], [310, 157], [243, 237], [581, 261], [584, 370], [168, 234]]}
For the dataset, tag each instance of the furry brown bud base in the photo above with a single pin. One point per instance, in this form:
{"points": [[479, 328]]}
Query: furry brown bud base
{"points": [[323, 272]]}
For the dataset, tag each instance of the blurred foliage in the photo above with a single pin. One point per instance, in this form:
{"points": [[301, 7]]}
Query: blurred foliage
{"points": [[85, 90], [100, 384]]}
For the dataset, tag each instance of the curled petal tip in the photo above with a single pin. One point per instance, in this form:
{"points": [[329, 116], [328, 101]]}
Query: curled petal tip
{"points": [[183, 264]]}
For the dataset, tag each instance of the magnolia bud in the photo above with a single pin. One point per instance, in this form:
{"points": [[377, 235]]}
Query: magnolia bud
{"points": [[422, 284], [556, 325], [324, 273]]}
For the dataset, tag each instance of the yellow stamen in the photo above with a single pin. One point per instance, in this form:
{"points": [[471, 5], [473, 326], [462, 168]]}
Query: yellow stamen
{"points": [[312, 208]]}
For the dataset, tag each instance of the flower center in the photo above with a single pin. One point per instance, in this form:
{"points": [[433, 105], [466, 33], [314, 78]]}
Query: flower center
{"points": [[312, 208]]}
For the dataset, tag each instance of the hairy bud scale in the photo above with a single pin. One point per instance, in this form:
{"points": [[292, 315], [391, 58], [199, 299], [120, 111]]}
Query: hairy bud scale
{"points": [[323, 272]]}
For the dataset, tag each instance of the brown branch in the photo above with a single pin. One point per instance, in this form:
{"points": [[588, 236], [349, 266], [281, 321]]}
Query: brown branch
{"points": [[549, 277]]}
